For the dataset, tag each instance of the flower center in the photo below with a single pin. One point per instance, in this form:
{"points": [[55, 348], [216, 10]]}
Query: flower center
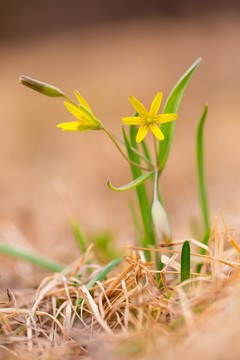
{"points": [[149, 119]]}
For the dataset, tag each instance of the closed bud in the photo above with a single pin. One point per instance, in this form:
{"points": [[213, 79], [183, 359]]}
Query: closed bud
{"points": [[40, 86], [160, 222]]}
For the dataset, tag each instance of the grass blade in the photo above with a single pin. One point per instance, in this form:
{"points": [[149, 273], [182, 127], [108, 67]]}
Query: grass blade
{"points": [[171, 106], [185, 262], [200, 170], [132, 184], [103, 273], [143, 201], [77, 231], [135, 221], [34, 259]]}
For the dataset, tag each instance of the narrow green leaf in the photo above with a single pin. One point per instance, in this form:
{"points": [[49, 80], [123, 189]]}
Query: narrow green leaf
{"points": [[185, 262], [77, 231], [32, 258], [203, 251], [135, 221], [142, 196], [146, 151], [171, 106], [132, 184], [103, 273], [200, 169]]}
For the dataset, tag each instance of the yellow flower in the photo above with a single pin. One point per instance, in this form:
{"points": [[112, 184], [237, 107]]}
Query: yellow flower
{"points": [[86, 119], [148, 119]]}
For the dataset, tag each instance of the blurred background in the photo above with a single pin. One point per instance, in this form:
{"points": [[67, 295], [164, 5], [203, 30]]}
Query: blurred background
{"points": [[108, 50]]}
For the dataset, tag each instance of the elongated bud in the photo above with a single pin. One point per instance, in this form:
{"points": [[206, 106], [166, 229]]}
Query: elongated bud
{"points": [[40, 86], [160, 222]]}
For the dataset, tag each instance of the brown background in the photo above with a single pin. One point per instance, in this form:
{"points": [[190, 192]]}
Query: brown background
{"points": [[107, 53]]}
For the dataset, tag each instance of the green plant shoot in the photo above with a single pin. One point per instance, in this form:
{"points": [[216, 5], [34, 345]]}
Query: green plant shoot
{"points": [[185, 262], [200, 170]]}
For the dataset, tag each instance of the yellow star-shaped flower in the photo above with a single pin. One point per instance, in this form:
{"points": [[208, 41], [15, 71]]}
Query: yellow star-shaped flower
{"points": [[148, 119], [86, 119]]}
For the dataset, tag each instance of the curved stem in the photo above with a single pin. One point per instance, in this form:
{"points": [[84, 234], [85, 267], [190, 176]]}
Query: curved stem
{"points": [[122, 153], [68, 99], [134, 150]]}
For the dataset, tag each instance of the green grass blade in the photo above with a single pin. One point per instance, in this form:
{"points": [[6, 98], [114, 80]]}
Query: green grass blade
{"points": [[77, 231], [203, 251], [34, 259], [143, 201], [185, 262], [132, 184], [146, 151], [200, 170], [103, 273], [135, 221], [171, 106]]}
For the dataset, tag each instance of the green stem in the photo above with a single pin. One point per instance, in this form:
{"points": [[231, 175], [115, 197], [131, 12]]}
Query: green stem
{"points": [[122, 153], [32, 258], [201, 172], [155, 186], [155, 150], [134, 150], [68, 99]]}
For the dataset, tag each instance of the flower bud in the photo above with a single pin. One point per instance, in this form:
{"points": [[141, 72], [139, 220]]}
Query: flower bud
{"points": [[40, 86], [160, 222]]}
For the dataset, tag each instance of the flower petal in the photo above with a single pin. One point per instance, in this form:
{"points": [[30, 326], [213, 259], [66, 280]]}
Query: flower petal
{"points": [[82, 101], [163, 118], [156, 131], [76, 111], [140, 108], [70, 126], [136, 120], [82, 113], [156, 103], [142, 132]]}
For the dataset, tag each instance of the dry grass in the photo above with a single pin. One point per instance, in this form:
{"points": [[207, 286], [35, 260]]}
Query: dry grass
{"points": [[128, 314]]}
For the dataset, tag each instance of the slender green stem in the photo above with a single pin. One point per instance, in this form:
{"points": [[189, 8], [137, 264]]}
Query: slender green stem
{"points": [[200, 169], [122, 153], [155, 150], [32, 258], [68, 99], [155, 186], [134, 150]]}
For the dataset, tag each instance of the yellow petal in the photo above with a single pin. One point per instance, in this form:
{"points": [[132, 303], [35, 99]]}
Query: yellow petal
{"points": [[137, 120], [75, 111], [82, 101], [163, 118], [156, 131], [156, 103], [142, 132], [80, 112], [70, 126], [140, 108]]}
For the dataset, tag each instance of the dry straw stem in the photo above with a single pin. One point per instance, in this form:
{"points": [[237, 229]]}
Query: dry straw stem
{"points": [[124, 306]]}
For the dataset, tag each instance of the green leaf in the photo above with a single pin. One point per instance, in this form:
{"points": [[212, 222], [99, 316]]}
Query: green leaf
{"points": [[142, 196], [135, 221], [103, 273], [77, 231], [203, 251], [35, 259], [200, 170], [132, 184], [185, 262], [146, 151], [171, 106]]}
